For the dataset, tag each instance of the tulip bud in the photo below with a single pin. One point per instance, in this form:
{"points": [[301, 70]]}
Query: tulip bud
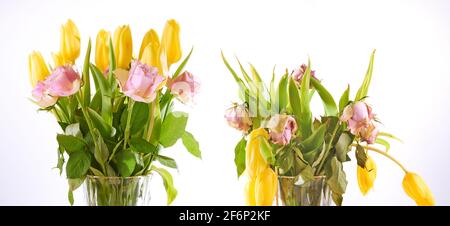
{"points": [[70, 42], [123, 46], [238, 117], [151, 57], [37, 68], [151, 37], [171, 42], [366, 176], [102, 50], [254, 161], [141, 83], [282, 128], [416, 188], [250, 192], [58, 59], [266, 186], [299, 72], [184, 87]]}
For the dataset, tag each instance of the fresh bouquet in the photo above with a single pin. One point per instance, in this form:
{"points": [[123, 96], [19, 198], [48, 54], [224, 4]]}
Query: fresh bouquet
{"points": [[118, 128], [284, 143]]}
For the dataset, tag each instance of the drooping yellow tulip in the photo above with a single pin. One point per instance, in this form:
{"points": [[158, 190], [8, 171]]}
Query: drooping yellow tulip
{"points": [[170, 42], [102, 50], [266, 186], [58, 59], [123, 46], [70, 42], [250, 192], [416, 188], [366, 176], [37, 68], [255, 163], [151, 37]]}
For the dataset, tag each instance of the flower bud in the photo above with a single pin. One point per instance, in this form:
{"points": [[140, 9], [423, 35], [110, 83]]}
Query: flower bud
{"points": [[70, 43], [238, 117], [170, 41], [416, 188], [102, 50], [37, 68], [123, 46]]}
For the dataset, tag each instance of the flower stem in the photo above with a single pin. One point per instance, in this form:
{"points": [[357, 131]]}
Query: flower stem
{"points": [[128, 126], [327, 149], [151, 119], [384, 154]]}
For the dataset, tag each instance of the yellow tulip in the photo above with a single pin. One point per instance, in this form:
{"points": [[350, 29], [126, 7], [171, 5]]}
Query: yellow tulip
{"points": [[170, 42], [58, 59], [102, 50], [250, 192], [266, 186], [37, 68], [255, 163], [70, 42], [366, 176], [151, 37], [123, 46], [416, 188]]}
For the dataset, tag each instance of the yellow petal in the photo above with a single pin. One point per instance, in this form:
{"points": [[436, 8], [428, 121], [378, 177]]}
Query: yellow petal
{"points": [[151, 37], [266, 186], [366, 176], [123, 46], [171, 42], [58, 59], [70, 42], [37, 68], [150, 56], [416, 188], [255, 163], [250, 192], [102, 50]]}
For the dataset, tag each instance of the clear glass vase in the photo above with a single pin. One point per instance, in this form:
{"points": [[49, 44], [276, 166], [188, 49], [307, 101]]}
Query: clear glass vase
{"points": [[117, 191], [312, 193]]}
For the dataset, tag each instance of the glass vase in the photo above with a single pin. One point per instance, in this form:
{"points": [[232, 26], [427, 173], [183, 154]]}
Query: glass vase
{"points": [[293, 192], [117, 191]]}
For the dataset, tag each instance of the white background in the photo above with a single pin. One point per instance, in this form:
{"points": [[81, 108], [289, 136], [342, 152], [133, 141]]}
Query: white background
{"points": [[409, 91]]}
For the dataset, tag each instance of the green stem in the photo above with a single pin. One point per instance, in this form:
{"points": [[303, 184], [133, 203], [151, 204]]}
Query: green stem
{"points": [[167, 107], [128, 126], [327, 149], [385, 155], [151, 119]]}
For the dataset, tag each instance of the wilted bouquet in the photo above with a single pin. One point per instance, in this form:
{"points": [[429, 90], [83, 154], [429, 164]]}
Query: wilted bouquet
{"points": [[118, 128], [282, 138]]}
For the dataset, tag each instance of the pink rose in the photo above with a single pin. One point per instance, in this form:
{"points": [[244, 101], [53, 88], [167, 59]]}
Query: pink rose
{"points": [[184, 87], [359, 117], [238, 117], [298, 73], [282, 128], [42, 97], [141, 83], [64, 81]]}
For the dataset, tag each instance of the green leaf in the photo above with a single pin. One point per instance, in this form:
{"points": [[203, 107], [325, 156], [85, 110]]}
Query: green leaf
{"points": [[166, 161], [112, 61], [101, 152], [337, 181], [78, 164], [139, 117], [327, 99], [337, 198], [105, 92], [96, 103], [307, 173], [71, 143], [306, 115], [266, 150], [70, 197], [314, 141], [242, 87], [86, 78], [180, 68], [361, 156], [191, 144], [282, 93], [285, 160], [364, 89], [105, 129], [388, 135], [168, 183], [73, 185], [294, 99], [250, 82], [383, 142], [257, 81], [173, 128], [96, 172], [125, 162], [344, 99], [343, 146], [140, 145], [74, 130], [239, 156]]}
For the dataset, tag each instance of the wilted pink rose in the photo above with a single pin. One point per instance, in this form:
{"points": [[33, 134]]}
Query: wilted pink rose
{"points": [[282, 128], [359, 117], [238, 117], [299, 72], [184, 87], [141, 83], [64, 81], [42, 97]]}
